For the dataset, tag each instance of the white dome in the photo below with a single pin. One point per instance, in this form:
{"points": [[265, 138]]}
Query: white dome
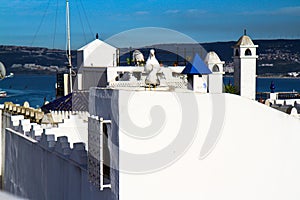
{"points": [[212, 57]]}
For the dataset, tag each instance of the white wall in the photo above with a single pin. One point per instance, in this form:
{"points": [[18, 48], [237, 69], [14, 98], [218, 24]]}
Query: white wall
{"points": [[248, 78], [215, 82], [93, 77], [241, 150], [34, 170], [245, 71]]}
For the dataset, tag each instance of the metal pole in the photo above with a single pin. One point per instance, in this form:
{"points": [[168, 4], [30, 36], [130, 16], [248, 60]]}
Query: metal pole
{"points": [[69, 44]]}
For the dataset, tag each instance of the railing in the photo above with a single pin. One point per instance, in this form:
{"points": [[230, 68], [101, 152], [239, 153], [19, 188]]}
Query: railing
{"points": [[281, 95]]}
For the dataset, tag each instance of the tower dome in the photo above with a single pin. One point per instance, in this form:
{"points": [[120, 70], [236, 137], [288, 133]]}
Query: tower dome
{"points": [[212, 57], [244, 40]]}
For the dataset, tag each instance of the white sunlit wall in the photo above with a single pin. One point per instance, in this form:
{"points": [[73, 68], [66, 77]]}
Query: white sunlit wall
{"points": [[231, 157]]}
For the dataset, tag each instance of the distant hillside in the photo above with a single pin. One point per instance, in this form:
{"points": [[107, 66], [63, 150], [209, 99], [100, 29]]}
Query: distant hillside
{"points": [[14, 57], [284, 55], [223, 49], [275, 56]]}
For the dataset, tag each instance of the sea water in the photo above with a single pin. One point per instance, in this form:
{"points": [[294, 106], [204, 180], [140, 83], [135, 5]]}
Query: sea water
{"points": [[36, 89], [281, 84]]}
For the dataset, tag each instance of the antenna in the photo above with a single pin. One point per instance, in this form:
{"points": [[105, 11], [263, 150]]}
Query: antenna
{"points": [[69, 44], [245, 32]]}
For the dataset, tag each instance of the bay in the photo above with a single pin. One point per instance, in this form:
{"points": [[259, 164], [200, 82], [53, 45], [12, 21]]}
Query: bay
{"points": [[281, 84], [37, 88], [28, 87]]}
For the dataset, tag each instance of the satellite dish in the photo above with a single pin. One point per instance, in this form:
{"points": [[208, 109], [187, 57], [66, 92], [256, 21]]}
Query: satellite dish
{"points": [[2, 71]]}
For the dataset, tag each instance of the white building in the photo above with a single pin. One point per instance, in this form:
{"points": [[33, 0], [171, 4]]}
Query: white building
{"points": [[245, 67], [92, 62], [97, 54]]}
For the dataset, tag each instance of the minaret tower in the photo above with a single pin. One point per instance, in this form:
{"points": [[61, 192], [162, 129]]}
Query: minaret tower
{"points": [[245, 66]]}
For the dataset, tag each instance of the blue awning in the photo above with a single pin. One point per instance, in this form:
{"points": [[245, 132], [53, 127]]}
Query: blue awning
{"points": [[197, 67]]}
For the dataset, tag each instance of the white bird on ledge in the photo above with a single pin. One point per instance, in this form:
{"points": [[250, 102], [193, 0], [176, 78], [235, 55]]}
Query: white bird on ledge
{"points": [[152, 67]]}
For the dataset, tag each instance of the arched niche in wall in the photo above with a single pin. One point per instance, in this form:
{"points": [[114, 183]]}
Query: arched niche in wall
{"points": [[215, 68], [248, 52]]}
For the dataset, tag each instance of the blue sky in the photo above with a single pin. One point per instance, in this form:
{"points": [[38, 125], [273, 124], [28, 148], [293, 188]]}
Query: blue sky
{"points": [[42, 22]]}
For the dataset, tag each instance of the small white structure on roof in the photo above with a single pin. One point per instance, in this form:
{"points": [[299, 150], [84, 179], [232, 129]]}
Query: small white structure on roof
{"points": [[197, 72], [245, 67], [215, 80], [92, 61], [97, 54]]}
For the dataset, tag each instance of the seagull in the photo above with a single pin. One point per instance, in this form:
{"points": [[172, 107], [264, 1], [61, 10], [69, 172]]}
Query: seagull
{"points": [[152, 67], [138, 57], [151, 62]]}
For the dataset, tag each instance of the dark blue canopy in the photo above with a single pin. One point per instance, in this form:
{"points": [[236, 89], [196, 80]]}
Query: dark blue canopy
{"points": [[76, 101], [62, 104], [197, 67]]}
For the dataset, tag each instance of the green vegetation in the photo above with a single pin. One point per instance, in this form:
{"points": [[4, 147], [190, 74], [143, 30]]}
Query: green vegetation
{"points": [[230, 89]]}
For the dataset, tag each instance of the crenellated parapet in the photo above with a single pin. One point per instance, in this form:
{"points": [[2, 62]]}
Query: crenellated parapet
{"points": [[60, 145], [62, 139]]}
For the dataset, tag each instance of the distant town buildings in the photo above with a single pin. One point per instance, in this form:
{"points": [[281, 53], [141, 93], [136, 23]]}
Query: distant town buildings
{"points": [[275, 56], [36, 67]]}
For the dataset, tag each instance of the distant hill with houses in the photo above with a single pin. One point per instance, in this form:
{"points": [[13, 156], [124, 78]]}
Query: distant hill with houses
{"points": [[276, 57]]}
